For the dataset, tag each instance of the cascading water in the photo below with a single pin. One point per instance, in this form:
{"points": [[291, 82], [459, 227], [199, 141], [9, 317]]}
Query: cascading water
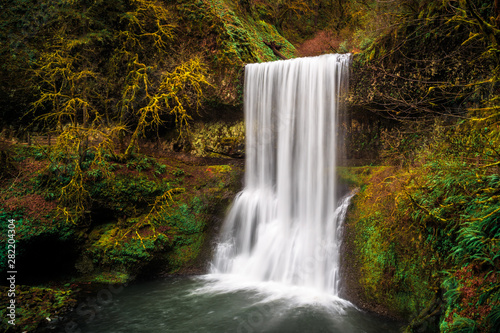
{"points": [[276, 269], [284, 225]]}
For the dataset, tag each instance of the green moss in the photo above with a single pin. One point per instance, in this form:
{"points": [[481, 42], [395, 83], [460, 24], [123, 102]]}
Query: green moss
{"points": [[133, 234], [36, 305], [240, 38], [177, 231], [218, 139], [390, 275], [108, 278], [433, 226], [356, 176], [394, 267], [126, 193], [184, 254]]}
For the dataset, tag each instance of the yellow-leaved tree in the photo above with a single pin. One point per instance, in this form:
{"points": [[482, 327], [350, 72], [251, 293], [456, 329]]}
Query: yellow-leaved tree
{"points": [[178, 90], [96, 84], [69, 95]]}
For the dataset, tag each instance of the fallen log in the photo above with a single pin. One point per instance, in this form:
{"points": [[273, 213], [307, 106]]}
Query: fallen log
{"points": [[275, 48]]}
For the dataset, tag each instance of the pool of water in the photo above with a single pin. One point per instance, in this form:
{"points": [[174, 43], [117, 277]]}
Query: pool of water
{"points": [[214, 304]]}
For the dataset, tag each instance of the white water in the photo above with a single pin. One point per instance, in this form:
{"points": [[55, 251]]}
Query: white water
{"points": [[283, 228]]}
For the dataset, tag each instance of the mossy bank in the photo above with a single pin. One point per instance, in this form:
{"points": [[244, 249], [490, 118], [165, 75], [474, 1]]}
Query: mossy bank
{"points": [[149, 217]]}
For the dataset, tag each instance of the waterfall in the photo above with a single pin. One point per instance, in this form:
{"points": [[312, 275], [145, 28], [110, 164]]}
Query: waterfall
{"points": [[284, 226]]}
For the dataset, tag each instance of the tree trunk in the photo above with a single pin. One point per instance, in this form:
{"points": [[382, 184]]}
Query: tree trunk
{"points": [[135, 137], [316, 14], [496, 10], [275, 48]]}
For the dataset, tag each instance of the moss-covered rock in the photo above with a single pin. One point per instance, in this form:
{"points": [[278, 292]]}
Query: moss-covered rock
{"points": [[219, 139], [147, 216], [422, 241], [392, 270], [36, 307]]}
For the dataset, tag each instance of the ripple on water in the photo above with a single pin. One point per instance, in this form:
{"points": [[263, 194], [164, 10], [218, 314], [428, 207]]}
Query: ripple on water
{"points": [[210, 304]]}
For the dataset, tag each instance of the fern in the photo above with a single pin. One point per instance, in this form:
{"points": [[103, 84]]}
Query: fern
{"points": [[463, 325], [494, 319]]}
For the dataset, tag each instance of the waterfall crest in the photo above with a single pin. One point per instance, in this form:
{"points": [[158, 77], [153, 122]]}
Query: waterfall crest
{"points": [[284, 226]]}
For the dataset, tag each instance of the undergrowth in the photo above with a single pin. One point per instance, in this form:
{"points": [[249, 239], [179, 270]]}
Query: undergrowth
{"points": [[428, 233]]}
